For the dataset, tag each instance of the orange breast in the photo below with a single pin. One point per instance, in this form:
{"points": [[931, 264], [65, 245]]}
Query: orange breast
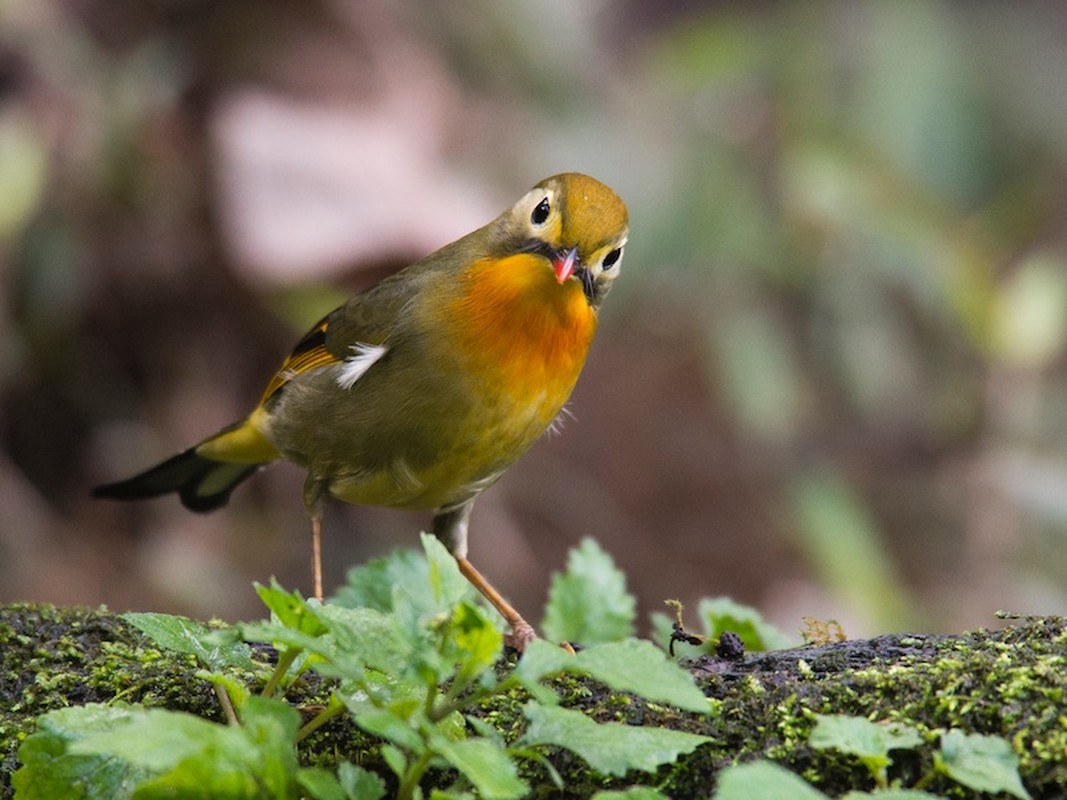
{"points": [[520, 331]]}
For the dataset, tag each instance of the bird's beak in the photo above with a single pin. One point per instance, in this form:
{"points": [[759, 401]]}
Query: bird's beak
{"points": [[565, 263]]}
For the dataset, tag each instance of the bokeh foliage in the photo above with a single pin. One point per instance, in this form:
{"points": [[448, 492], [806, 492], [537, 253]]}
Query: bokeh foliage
{"points": [[832, 381]]}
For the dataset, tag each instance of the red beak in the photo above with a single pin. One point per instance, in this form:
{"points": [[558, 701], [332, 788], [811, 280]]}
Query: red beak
{"points": [[564, 264]]}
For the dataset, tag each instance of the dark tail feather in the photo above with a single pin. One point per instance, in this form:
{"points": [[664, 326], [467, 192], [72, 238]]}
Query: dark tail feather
{"points": [[202, 484]]}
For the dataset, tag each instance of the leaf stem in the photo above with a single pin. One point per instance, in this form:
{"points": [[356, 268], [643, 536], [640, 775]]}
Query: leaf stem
{"points": [[410, 782], [285, 660], [227, 705], [334, 709]]}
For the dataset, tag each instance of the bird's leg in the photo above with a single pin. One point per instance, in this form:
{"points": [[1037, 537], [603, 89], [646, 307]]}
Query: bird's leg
{"points": [[450, 526], [316, 556], [522, 632], [315, 491]]}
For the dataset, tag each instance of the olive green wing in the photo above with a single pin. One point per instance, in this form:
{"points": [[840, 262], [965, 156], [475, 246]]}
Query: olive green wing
{"points": [[367, 320]]}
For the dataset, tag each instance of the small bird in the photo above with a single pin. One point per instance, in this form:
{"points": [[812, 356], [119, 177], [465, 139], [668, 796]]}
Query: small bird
{"points": [[420, 392]]}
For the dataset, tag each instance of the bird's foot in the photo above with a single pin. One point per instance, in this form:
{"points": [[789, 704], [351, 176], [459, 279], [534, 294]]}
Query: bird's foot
{"points": [[522, 633]]}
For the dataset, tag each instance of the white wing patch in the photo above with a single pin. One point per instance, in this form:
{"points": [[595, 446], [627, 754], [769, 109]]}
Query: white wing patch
{"points": [[362, 358]]}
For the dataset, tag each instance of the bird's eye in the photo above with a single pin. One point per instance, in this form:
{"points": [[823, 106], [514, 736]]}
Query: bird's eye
{"points": [[611, 258], [540, 212]]}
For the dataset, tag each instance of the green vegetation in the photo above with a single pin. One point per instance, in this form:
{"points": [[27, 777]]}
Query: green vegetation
{"points": [[402, 694], [410, 675]]}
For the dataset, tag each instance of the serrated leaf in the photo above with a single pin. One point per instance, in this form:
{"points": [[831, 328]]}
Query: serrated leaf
{"points": [[49, 770], [484, 764], [721, 614], [447, 582], [476, 642], [983, 763], [158, 739], [610, 748], [350, 783], [388, 725], [632, 665], [279, 635], [371, 585], [589, 603], [360, 784], [410, 583], [763, 780], [869, 741], [436, 593], [290, 608], [320, 784], [361, 637], [184, 756], [484, 729], [215, 649]]}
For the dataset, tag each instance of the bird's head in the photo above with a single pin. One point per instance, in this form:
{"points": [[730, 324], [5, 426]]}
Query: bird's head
{"points": [[577, 223]]}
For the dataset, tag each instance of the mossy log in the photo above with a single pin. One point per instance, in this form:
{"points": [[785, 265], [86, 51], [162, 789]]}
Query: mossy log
{"points": [[1010, 682]]}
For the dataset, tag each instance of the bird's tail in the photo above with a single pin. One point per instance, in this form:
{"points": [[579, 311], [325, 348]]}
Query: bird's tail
{"points": [[204, 475]]}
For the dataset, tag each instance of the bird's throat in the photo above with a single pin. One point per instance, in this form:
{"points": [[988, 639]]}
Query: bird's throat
{"points": [[520, 329]]}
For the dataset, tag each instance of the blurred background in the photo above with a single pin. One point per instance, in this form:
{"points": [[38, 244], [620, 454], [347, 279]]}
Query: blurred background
{"points": [[832, 380]]}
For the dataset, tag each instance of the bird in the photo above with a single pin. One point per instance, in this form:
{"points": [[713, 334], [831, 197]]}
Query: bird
{"points": [[421, 391]]}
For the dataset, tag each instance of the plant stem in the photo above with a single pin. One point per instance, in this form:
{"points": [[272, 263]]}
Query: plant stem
{"points": [[410, 782], [285, 660], [227, 705], [334, 709]]}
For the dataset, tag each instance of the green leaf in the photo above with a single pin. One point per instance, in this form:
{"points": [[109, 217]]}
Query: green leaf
{"points": [[350, 640], [407, 582], [476, 643], [869, 741], [216, 649], [979, 762], [436, 593], [49, 770], [447, 582], [186, 756], [371, 585], [721, 614], [388, 725], [632, 665], [610, 748], [395, 759], [633, 793], [589, 603], [157, 739], [763, 780], [484, 729], [320, 784], [360, 784], [280, 636], [363, 637], [290, 608], [484, 764], [350, 783]]}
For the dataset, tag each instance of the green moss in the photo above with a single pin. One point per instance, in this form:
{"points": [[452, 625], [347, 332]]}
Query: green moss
{"points": [[51, 658], [1012, 683], [1009, 683]]}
